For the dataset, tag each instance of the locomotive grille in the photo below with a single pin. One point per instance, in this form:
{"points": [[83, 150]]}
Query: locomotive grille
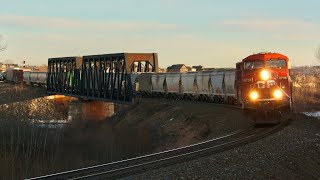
{"points": [[265, 93]]}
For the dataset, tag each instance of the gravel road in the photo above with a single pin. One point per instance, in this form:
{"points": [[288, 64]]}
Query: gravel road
{"points": [[293, 153]]}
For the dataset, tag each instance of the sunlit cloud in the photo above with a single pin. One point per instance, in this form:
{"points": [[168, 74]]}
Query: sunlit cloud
{"points": [[174, 48], [184, 42], [296, 36], [184, 36], [278, 29], [268, 24], [74, 24]]}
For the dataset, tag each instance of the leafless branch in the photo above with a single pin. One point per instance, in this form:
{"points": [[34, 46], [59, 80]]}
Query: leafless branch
{"points": [[318, 54], [3, 46]]}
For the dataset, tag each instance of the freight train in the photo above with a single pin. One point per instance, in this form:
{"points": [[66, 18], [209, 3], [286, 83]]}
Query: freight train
{"points": [[260, 82]]}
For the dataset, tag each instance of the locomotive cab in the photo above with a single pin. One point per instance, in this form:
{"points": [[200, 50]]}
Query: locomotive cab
{"points": [[264, 83]]}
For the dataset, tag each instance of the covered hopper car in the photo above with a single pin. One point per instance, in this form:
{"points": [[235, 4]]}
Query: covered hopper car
{"points": [[27, 76], [214, 86]]}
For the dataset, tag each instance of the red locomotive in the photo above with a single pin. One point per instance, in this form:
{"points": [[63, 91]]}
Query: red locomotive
{"points": [[263, 83]]}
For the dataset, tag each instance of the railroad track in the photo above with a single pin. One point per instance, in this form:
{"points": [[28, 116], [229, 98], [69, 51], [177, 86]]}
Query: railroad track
{"points": [[170, 157]]}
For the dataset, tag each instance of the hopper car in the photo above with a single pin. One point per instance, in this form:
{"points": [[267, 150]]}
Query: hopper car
{"points": [[17, 75]]}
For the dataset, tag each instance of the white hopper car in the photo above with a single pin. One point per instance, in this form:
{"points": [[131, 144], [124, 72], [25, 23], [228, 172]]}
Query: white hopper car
{"points": [[216, 86]]}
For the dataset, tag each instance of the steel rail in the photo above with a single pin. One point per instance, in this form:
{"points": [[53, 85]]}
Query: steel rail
{"points": [[169, 157], [178, 158], [171, 152]]}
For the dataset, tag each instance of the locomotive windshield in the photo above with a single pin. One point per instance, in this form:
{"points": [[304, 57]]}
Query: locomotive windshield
{"points": [[253, 65], [276, 63]]}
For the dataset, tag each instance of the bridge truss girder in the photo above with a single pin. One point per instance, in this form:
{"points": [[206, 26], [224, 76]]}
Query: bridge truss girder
{"points": [[98, 77]]}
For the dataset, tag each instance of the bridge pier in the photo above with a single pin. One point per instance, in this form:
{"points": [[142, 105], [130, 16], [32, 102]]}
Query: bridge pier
{"points": [[97, 110], [87, 110]]}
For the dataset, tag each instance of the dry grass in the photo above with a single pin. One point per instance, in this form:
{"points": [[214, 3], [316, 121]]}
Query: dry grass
{"points": [[306, 93], [25, 148], [28, 150], [306, 99]]}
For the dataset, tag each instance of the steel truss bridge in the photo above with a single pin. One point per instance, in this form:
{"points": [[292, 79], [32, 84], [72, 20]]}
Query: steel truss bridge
{"points": [[98, 77]]}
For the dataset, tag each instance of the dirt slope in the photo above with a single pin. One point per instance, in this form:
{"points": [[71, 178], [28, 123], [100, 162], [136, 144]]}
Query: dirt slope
{"points": [[173, 124]]}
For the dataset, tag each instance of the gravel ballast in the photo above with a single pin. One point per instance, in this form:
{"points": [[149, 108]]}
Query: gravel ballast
{"points": [[293, 153]]}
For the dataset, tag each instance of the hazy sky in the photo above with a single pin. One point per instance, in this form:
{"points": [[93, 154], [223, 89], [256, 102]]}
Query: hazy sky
{"points": [[207, 32]]}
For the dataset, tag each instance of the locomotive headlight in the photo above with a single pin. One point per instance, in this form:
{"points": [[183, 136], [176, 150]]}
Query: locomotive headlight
{"points": [[277, 94], [254, 95], [265, 75]]}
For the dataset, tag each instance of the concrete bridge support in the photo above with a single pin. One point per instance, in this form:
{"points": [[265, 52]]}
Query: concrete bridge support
{"points": [[86, 110]]}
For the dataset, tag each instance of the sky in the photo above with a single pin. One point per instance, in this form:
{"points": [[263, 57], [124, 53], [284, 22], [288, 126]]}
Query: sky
{"points": [[193, 32]]}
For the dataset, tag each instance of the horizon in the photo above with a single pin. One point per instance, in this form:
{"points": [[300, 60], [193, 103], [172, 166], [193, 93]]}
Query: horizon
{"points": [[208, 33]]}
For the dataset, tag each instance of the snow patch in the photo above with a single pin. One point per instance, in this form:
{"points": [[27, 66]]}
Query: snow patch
{"points": [[313, 114]]}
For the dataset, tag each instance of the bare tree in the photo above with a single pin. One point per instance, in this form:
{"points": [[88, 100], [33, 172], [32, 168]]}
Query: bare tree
{"points": [[318, 53], [3, 46]]}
